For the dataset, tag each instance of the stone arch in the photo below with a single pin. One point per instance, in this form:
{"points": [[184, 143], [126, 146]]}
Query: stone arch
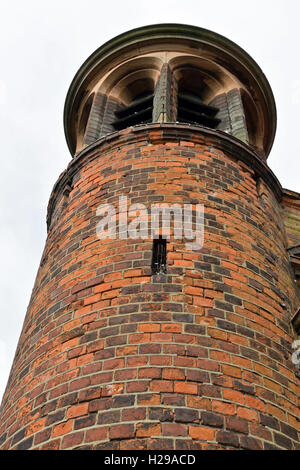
{"points": [[201, 76], [198, 82], [123, 85]]}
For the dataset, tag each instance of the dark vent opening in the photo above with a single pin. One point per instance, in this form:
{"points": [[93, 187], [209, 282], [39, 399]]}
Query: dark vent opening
{"points": [[138, 112], [159, 256], [191, 109]]}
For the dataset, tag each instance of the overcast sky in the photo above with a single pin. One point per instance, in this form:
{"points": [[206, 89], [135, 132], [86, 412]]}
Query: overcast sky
{"points": [[42, 45]]}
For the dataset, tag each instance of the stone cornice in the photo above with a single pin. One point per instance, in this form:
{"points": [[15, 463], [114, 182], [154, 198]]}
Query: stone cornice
{"points": [[161, 133]]}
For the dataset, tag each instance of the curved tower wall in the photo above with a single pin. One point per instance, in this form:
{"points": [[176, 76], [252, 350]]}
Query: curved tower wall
{"points": [[112, 356]]}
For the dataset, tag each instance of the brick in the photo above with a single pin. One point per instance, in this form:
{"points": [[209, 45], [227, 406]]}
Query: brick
{"points": [[249, 443], [277, 412], [80, 383], [255, 403], [26, 444], [148, 399], [113, 364], [122, 401], [150, 349], [211, 391], [134, 414], [36, 426], [140, 386], [101, 404], [160, 444], [63, 428], [148, 429], [223, 408], [53, 445], [231, 371], [18, 436], [244, 387], [121, 431], [150, 327], [89, 394], [186, 388], [161, 386], [150, 373], [246, 413], [198, 403], [171, 328], [161, 414], [289, 431], [109, 417], [161, 360], [185, 415], [85, 422], [42, 436], [260, 431], [161, 337], [174, 429], [77, 410], [201, 433], [72, 440], [134, 444], [227, 438], [233, 396], [237, 424], [283, 441], [212, 419], [127, 374], [173, 374], [197, 376], [139, 338], [96, 434]]}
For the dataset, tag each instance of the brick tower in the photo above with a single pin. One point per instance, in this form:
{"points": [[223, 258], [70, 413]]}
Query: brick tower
{"points": [[135, 343]]}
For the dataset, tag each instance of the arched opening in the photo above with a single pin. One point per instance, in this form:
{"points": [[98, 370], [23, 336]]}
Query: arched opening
{"points": [[194, 91], [138, 96], [129, 90]]}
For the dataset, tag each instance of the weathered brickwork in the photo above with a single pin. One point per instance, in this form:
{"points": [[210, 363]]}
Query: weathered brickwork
{"points": [[111, 357], [291, 216]]}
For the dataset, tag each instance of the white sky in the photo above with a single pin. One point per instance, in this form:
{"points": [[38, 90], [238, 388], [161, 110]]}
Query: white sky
{"points": [[42, 45]]}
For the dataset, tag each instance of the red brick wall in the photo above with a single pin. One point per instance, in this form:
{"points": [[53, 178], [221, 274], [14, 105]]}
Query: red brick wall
{"points": [[111, 357]]}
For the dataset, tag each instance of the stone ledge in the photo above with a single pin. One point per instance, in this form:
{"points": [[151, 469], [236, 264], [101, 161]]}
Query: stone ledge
{"points": [[168, 132]]}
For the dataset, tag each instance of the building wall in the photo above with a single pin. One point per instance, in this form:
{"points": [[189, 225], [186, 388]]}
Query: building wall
{"points": [[111, 357]]}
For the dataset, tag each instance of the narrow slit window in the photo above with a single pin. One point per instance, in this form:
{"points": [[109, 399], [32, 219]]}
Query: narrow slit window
{"points": [[159, 256]]}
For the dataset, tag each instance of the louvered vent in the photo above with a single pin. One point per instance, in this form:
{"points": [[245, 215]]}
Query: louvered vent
{"points": [[138, 112], [191, 109]]}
